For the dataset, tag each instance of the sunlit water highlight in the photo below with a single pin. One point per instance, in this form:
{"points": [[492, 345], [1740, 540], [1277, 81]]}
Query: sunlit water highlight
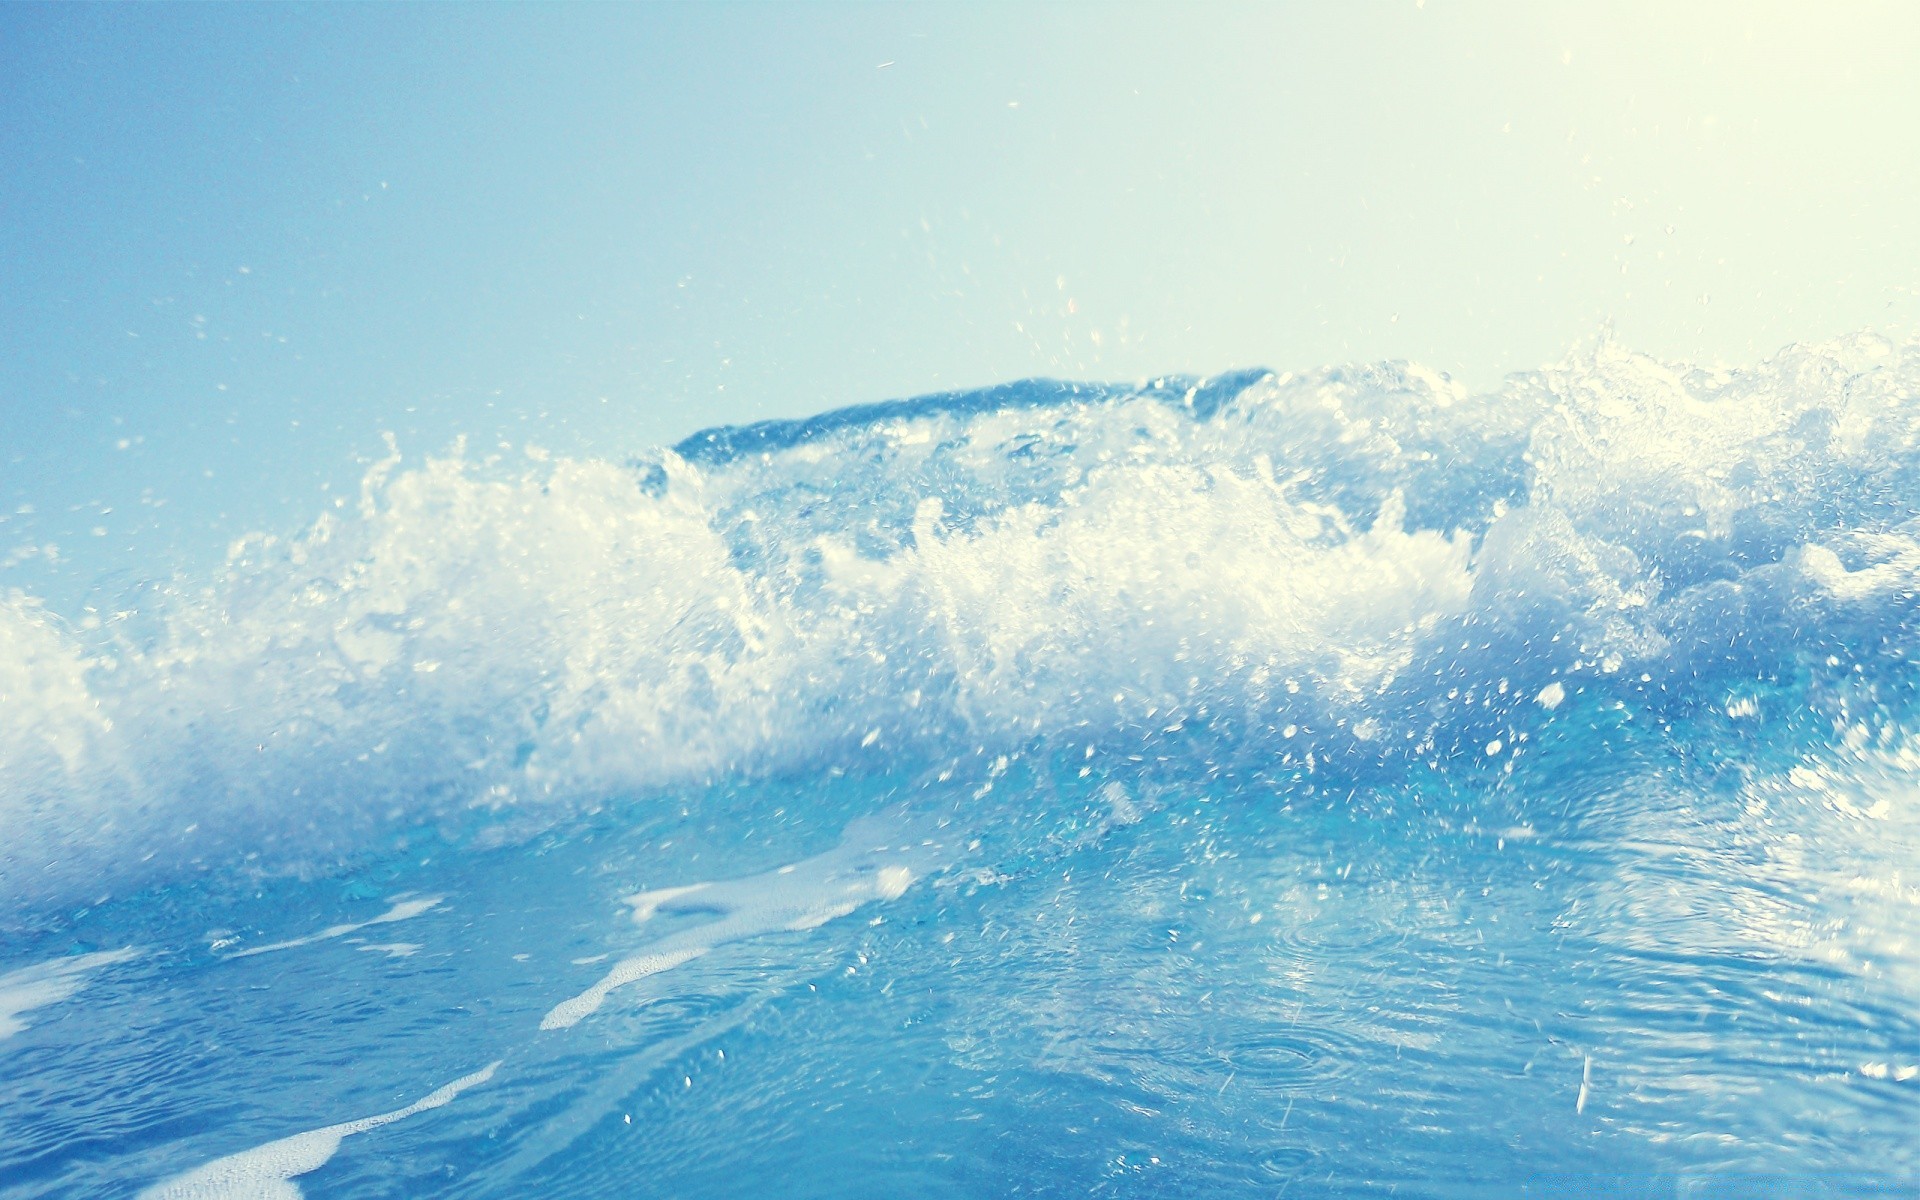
{"points": [[1327, 784]]}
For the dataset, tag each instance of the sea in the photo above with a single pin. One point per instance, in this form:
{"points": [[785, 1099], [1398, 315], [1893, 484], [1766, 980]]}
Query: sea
{"points": [[1325, 783]]}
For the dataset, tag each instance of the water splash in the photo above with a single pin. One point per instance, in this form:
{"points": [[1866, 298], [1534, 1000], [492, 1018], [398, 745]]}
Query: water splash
{"points": [[1336, 574]]}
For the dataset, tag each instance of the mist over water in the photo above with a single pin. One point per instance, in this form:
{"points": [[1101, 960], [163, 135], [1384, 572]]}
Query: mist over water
{"points": [[1319, 780]]}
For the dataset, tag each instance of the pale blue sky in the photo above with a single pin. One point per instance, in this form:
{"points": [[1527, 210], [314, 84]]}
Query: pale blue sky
{"points": [[244, 241]]}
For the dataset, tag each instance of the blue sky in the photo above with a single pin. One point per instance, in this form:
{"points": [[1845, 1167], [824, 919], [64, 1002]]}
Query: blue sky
{"points": [[238, 244]]}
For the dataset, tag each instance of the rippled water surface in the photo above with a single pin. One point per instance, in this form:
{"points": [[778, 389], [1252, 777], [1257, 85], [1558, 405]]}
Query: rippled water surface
{"points": [[1310, 786]]}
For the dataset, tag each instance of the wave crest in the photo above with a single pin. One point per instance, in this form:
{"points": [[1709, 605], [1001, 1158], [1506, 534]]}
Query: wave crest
{"points": [[1338, 570]]}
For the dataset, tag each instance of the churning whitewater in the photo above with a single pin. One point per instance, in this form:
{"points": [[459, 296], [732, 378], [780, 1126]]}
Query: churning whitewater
{"points": [[1362, 567], [1253, 774]]}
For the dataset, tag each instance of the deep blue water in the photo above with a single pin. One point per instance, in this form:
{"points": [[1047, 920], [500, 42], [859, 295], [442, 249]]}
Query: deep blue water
{"points": [[1325, 784]]}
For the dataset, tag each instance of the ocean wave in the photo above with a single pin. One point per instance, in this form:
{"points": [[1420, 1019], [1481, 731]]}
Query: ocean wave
{"points": [[1329, 574]]}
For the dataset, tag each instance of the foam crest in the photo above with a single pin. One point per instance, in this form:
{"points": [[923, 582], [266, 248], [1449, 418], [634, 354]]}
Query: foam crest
{"points": [[267, 1172], [1355, 566]]}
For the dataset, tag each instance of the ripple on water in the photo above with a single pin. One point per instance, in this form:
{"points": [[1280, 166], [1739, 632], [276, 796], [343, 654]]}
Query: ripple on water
{"points": [[1284, 1162], [1343, 921], [1292, 1059]]}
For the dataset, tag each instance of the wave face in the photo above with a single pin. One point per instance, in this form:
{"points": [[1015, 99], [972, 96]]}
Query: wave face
{"points": [[1340, 575]]}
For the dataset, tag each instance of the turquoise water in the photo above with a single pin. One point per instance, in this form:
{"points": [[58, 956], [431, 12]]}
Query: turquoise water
{"points": [[1314, 784]]}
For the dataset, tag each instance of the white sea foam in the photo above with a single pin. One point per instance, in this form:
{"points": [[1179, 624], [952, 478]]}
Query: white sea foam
{"points": [[877, 859], [29, 988], [402, 910], [1365, 556], [267, 1172], [394, 949], [573, 1010]]}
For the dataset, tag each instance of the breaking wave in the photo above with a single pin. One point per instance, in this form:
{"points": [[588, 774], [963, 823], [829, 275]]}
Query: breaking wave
{"points": [[1336, 575]]}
